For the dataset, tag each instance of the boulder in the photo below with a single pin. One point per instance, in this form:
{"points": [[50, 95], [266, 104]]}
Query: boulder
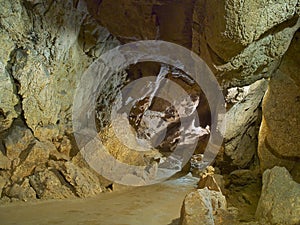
{"points": [[278, 137], [242, 125], [280, 198], [200, 207]]}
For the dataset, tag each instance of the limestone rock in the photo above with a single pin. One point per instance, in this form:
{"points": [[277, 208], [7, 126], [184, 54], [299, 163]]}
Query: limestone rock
{"points": [[8, 97], [247, 21], [242, 124], [278, 137], [23, 192], [84, 183], [37, 155], [5, 163], [17, 141], [280, 199], [49, 184], [3, 182], [209, 182], [258, 60], [243, 41], [200, 206]]}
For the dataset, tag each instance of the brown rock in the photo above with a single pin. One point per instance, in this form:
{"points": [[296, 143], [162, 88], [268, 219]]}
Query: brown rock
{"points": [[49, 184], [209, 182], [199, 207], [278, 140], [17, 141], [5, 163], [39, 154], [82, 181]]}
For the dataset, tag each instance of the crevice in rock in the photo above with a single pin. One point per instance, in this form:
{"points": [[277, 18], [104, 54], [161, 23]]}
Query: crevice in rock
{"points": [[64, 181], [12, 64]]}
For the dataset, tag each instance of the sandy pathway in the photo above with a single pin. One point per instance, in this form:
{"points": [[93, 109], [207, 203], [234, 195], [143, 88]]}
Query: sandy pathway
{"points": [[152, 205]]}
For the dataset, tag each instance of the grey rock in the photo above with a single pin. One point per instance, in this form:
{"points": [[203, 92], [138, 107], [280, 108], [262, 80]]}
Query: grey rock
{"points": [[280, 198], [21, 191], [242, 123]]}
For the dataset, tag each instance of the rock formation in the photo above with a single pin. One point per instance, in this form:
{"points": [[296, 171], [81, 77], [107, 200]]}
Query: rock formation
{"points": [[252, 47]]}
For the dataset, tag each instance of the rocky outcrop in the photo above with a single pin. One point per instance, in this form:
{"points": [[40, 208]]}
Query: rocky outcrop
{"points": [[242, 125], [46, 47], [237, 47], [280, 198]]}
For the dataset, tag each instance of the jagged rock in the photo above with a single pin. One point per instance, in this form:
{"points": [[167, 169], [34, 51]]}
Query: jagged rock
{"points": [[209, 182], [82, 181], [49, 184], [280, 198], [3, 182], [18, 140], [278, 137], [37, 155], [200, 206], [213, 182], [242, 124], [5, 163], [21, 191], [8, 97]]}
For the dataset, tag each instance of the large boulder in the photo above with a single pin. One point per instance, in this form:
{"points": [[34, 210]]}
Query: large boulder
{"points": [[280, 198], [242, 125], [279, 137]]}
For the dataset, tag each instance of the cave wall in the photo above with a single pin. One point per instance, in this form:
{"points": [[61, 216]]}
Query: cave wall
{"points": [[47, 45]]}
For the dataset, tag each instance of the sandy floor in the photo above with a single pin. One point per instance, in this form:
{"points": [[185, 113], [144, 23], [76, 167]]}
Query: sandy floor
{"points": [[151, 205]]}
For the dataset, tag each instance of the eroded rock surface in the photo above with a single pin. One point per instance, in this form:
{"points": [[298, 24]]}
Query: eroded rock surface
{"points": [[280, 198], [200, 207], [279, 137], [46, 47]]}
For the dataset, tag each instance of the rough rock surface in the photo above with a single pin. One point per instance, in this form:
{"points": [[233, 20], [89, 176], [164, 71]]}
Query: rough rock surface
{"points": [[242, 125], [200, 207], [223, 33], [280, 198], [279, 137], [46, 47]]}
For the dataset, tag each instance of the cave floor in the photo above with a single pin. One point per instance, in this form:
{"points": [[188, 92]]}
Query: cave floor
{"points": [[157, 204]]}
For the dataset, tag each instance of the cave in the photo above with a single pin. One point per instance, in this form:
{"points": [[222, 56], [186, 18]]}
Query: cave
{"points": [[161, 112]]}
